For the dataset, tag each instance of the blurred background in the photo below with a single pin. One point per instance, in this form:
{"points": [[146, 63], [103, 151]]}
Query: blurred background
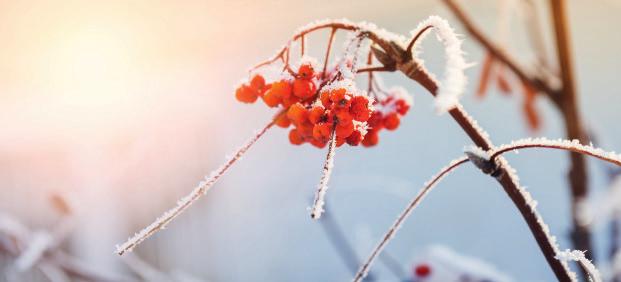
{"points": [[121, 107]]}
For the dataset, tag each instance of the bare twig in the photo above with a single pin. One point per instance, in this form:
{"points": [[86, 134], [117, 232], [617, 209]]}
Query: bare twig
{"points": [[319, 201], [362, 272], [184, 203]]}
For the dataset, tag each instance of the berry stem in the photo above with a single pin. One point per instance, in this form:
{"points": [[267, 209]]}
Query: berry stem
{"points": [[328, 49], [319, 201], [364, 269], [161, 222]]}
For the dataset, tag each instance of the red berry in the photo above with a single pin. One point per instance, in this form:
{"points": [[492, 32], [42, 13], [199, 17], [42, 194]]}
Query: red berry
{"points": [[316, 114], [246, 94], [297, 113], [257, 82], [391, 121], [340, 141], [375, 121], [282, 121], [305, 129], [271, 98], [422, 270], [402, 107], [360, 108], [289, 100], [322, 131], [343, 117], [354, 138], [340, 98], [318, 143], [325, 99], [304, 88], [306, 71], [282, 88], [295, 137], [370, 139], [344, 129]]}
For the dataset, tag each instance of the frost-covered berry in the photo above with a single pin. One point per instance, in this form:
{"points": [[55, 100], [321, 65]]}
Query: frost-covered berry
{"points": [[391, 121], [303, 88], [322, 131], [295, 137], [316, 114], [257, 82], [271, 98], [402, 106], [355, 138], [306, 71], [246, 94], [282, 121], [360, 110], [297, 113], [371, 138], [344, 129]]}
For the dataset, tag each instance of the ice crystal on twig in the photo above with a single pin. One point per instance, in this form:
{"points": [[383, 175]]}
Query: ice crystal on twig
{"points": [[202, 188], [320, 195], [454, 82], [364, 269], [578, 256]]}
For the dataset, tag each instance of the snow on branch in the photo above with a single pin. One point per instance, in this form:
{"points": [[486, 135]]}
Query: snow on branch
{"points": [[559, 144], [454, 82], [202, 188], [364, 269], [578, 256], [320, 195]]}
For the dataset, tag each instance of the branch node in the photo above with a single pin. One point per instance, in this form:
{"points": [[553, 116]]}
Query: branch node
{"points": [[481, 159]]}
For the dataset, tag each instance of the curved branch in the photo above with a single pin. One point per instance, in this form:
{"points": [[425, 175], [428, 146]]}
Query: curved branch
{"points": [[364, 269], [188, 200], [573, 146], [506, 176]]}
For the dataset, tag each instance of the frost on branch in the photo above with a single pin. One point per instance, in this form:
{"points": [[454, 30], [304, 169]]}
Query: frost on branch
{"points": [[454, 82], [320, 195], [364, 269], [560, 144], [202, 188], [578, 256]]}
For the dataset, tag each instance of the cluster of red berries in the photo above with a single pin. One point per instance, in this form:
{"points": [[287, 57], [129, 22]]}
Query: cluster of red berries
{"points": [[283, 92], [318, 114], [387, 114]]}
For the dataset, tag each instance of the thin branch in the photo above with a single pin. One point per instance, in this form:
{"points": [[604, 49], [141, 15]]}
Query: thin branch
{"points": [[328, 49], [364, 269], [408, 50], [586, 264], [573, 146], [319, 201], [374, 69], [506, 177], [188, 200]]}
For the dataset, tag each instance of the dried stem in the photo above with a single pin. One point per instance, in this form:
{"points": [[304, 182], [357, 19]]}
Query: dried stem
{"points": [[319, 201], [540, 83], [328, 49], [364, 269], [188, 200]]}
